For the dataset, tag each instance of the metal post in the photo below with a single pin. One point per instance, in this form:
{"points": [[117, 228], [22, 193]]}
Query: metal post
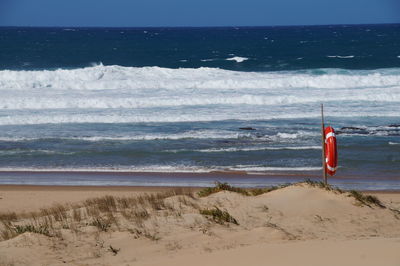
{"points": [[323, 145]]}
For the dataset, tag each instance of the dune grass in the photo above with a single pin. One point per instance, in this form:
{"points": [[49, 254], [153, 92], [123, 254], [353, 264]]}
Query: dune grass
{"points": [[244, 191], [367, 200], [101, 212], [322, 185], [221, 187], [106, 213], [38, 229], [219, 216]]}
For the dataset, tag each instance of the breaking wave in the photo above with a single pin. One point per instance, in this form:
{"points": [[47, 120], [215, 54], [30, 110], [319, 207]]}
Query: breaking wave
{"points": [[116, 94], [107, 78]]}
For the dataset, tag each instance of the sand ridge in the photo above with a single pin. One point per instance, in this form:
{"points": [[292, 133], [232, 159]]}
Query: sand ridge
{"points": [[174, 232]]}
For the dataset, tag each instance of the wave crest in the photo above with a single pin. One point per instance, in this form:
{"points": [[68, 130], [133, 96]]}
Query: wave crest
{"points": [[116, 94]]}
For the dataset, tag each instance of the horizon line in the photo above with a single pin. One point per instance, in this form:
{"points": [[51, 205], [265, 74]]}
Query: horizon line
{"points": [[233, 26]]}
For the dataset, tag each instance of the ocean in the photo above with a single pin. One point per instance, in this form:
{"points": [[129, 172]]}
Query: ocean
{"points": [[142, 104]]}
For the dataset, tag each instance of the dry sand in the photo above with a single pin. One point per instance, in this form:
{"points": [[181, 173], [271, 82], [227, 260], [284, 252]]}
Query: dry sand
{"points": [[296, 225], [30, 198]]}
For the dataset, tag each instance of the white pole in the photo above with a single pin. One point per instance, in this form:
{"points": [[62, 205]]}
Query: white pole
{"points": [[323, 145]]}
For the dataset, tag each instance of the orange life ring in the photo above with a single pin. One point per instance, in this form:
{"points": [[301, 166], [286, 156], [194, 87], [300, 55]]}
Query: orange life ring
{"points": [[330, 151]]}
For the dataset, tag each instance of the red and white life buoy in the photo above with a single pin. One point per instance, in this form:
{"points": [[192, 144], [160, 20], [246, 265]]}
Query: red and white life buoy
{"points": [[330, 151]]}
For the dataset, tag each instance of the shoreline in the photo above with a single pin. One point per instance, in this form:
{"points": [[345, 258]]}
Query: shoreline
{"points": [[128, 188], [237, 173], [81, 178]]}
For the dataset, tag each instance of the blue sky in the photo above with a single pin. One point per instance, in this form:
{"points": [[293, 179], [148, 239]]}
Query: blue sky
{"points": [[137, 13]]}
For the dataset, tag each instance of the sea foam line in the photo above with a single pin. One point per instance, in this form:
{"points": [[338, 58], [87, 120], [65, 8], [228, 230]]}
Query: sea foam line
{"points": [[51, 101], [234, 149], [195, 134], [159, 169], [266, 169], [209, 116], [202, 134]]}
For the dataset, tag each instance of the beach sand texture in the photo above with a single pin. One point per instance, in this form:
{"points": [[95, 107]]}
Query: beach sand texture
{"points": [[301, 224]]}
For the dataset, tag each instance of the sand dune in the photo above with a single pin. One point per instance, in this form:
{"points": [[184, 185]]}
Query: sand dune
{"points": [[301, 224]]}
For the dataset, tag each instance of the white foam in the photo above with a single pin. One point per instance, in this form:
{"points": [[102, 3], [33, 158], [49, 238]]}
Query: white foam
{"points": [[245, 149], [51, 100], [198, 134], [296, 135], [287, 135], [130, 79], [266, 169], [35, 152], [115, 94], [35, 119], [341, 56], [163, 169], [394, 143], [146, 169], [238, 59]]}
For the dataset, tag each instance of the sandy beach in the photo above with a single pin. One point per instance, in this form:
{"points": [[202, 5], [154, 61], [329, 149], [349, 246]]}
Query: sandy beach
{"points": [[302, 224]]}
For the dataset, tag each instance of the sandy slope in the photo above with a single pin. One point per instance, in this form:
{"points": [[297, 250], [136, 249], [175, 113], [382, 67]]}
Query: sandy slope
{"points": [[296, 225]]}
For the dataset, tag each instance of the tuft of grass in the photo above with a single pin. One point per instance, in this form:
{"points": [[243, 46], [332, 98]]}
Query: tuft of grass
{"points": [[247, 192], [105, 204], [322, 185], [101, 224], [6, 230], [367, 200], [259, 191], [40, 229], [221, 187], [219, 216]]}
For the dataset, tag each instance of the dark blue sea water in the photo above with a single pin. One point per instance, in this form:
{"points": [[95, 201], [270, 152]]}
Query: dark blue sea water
{"points": [[266, 48], [175, 100]]}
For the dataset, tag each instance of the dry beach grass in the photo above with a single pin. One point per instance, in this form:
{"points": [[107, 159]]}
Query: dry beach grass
{"points": [[175, 226]]}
